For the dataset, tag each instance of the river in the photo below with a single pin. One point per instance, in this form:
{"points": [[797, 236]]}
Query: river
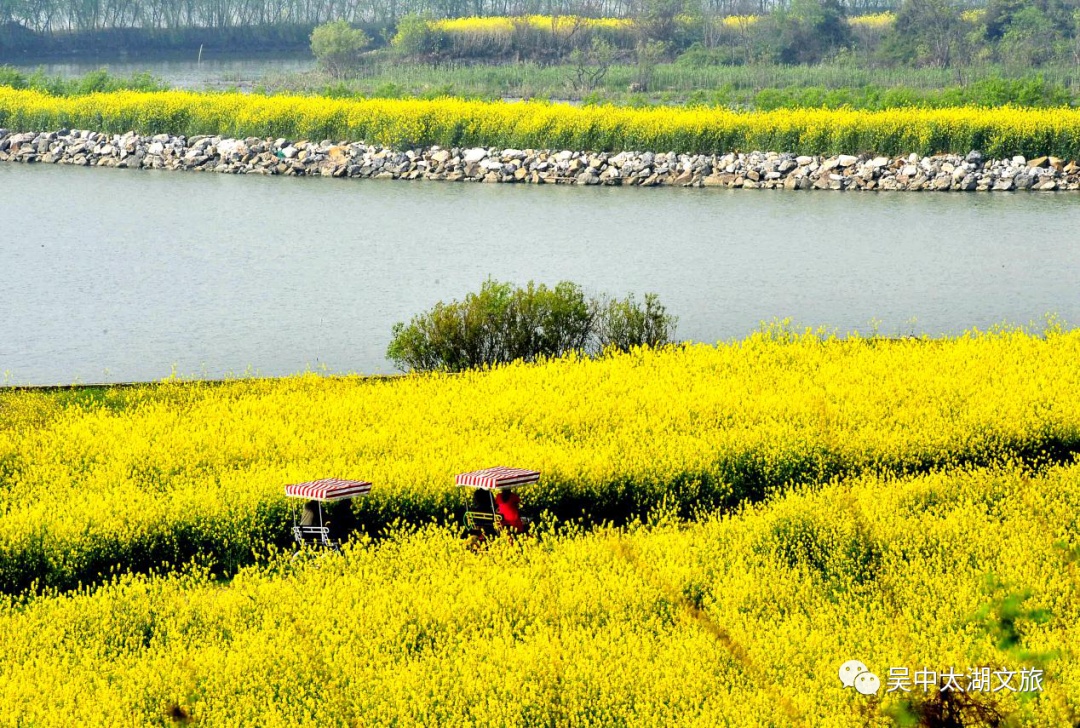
{"points": [[111, 275], [211, 71]]}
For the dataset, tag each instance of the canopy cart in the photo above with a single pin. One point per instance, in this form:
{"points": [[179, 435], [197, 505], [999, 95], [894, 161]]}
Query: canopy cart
{"points": [[327, 490], [483, 516]]}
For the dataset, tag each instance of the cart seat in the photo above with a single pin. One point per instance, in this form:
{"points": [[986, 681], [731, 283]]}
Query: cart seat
{"points": [[317, 536], [483, 521]]}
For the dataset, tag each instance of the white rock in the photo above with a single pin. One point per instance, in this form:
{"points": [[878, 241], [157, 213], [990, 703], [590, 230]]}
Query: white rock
{"points": [[473, 156], [231, 146]]}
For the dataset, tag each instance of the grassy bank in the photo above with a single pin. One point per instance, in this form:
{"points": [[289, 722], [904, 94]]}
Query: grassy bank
{"points": [[734, 621], [453, 122], [761, 87], [758, 87], [135, 477]]}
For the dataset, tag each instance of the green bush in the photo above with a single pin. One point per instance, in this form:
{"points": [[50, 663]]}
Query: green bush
{"points": [[415, 37], [698, 56], [10, 77], [338, 47], [502, 323], [99, 81], [625, 324]]}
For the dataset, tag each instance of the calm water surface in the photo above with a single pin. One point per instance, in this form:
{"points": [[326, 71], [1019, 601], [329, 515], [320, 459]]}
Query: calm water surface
{"points": [[214, 71], [117, 275]]}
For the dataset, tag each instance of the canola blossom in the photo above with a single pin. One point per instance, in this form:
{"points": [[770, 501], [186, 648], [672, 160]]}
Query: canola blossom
{"points": [[450, 122], [506, 24], [876, 21], [500, 24], [131, 478], [736, 22], [501, 35], [739, 620]]}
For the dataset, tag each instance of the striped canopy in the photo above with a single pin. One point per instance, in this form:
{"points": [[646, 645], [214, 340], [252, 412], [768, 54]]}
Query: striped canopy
{"points": [[498, 478], [328, 489]]}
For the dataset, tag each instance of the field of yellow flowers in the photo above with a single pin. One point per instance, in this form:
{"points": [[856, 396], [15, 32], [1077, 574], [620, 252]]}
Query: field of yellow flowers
{"points": [[737, 620], [454, 122], [506, 25], [134, 477]]}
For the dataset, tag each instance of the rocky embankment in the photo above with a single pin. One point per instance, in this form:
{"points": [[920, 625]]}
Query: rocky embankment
{"points": [[769, 170]]}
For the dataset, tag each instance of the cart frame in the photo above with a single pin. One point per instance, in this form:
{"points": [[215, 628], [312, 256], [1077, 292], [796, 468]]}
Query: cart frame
{"points": [[326, 490], [492, 479]]}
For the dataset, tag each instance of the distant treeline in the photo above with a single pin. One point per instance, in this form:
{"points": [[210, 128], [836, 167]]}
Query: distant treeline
{"points": [[936, 33], [58, 16], [73, 25], [16, 40], [941, 33]]}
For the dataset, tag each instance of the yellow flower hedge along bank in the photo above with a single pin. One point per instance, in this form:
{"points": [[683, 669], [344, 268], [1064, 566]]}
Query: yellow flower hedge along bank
{"points": [[736, 621], [521, 36], [454, 122], [506, 23], [134, 477], [877, 21]]}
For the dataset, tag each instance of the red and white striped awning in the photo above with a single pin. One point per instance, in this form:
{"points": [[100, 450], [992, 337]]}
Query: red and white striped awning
{"points": [[498, 478], [328, 489]]}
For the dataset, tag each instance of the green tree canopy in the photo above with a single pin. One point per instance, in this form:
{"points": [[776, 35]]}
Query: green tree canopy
{"points": [[338, 47]]}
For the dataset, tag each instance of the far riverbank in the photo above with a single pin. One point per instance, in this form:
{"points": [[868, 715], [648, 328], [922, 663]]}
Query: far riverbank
{"points": [[754, 170]]}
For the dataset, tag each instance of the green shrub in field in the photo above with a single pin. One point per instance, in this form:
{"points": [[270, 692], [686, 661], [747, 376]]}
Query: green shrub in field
{"points": [[99, 81], [338, 47], [624, 324], [501, 324], [418, 38]]}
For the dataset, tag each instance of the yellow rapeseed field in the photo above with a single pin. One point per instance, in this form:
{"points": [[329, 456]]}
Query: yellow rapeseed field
{"points": [[870, 20], [500, 35], [134, 477], [736, 22], [499, 24], [535, 125], [740, 621], [505, 24], [873, 20]]}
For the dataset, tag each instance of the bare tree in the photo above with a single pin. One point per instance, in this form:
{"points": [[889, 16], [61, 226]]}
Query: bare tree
{"points": [[590, 67]]}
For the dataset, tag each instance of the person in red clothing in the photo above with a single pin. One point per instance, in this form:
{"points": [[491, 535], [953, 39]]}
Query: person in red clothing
{"points": [[506, 501]]}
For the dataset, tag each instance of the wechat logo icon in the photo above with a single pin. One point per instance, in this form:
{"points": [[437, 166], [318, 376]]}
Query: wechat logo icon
{"points": [[854, 674]]}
